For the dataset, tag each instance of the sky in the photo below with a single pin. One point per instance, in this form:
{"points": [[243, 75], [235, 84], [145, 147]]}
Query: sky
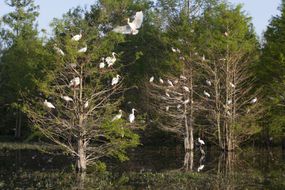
{"points": [[261, 11]]}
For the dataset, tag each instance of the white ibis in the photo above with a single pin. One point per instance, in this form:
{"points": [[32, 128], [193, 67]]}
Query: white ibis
{"points": [[132, 116], [173, 49], [208, 82], [178, 106], [201, 141], [203, 58], [111, 60], [183, 77], [58, 50], [102, 63], [186, 88], [161, 81], [132, 27], [115, 80], [118, 116], [232, 85], [83, 50], [226, 34], [254, 100], [86, 104], [175, 81], [77, 37], [167, 108], [200, 168], [170, 83], [74, 82], [151, 79], [67, 98], [186, 101], [229, 101], [206, 94], [49, 105], [166, 93]]}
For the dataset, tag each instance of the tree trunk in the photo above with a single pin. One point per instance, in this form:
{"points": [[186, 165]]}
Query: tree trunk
{"points": [[81, 159]]}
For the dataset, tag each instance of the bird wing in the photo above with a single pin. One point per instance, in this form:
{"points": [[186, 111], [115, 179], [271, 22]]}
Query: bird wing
{"points": [[123, 29], [138, 19]]}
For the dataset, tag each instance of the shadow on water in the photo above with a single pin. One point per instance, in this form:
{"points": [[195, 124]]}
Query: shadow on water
{"points": [[148, 168]]}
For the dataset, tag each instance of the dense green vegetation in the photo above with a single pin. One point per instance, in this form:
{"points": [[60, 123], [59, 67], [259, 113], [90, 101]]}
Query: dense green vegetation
{"points": [[216, 42]]}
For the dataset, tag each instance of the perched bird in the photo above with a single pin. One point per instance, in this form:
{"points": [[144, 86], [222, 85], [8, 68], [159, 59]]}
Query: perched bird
{"points": [[229, 101], [200, 168], [186, 88], [229, 113], [82, 50], [167, 108], [58, 50], [178, 106], [111, 60], [186, 101], [203, 58], [102, 63], [226, 34], [74, 82], [175, 81], [201, 141], [86, 104], [170, 83], [173, 49], [161, 81], [151, 79], [207, 94], [115, 80], [208, 82], [49, 105], [183, 77], [131, 27], [118, 116], [67, 98], [254, 100], [132, 116], [166, 93], [232, 85], [77, 37], [73, 65]]}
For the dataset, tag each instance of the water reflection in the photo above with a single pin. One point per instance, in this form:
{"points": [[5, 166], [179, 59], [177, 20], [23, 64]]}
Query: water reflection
{"points": [[148, 168]]}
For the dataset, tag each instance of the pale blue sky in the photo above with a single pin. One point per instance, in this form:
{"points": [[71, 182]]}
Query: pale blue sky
{"points": [[261, 11]]}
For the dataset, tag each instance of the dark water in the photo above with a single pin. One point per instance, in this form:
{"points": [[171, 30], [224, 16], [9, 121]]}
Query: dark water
{"points": [[148, 168]]}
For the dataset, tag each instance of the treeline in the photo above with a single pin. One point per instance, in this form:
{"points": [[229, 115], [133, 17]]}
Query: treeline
{"points": [[195, 69]]}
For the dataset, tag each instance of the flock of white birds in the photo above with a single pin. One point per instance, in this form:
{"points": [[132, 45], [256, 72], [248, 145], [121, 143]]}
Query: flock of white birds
{"points": [[130, 28]]}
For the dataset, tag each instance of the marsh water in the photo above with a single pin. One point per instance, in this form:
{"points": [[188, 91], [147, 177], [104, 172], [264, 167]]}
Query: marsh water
{"points": [[148, 168]]}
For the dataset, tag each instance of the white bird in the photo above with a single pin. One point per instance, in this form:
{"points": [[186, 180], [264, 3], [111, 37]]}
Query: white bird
{"points": [[118, 116], [186, 88], [170, 83], [77, 37], [178, 50], [82, 50], [161, 81], [74, 82], [183, 77], [208, 82], [73, 65], [58, 50], [86, 104], [207, 94], [111, 60], [201, 141], [132, 27], [67, 98], [173, 49], [186, 101], [232, 85], [200, 168], [115, 80], [167, 108], [151, 79], [48, 104], [229, 101], [178, 106], [175, 81], [132, 116], [226, 34], [166, 93], [102, 63], [254, 100], [203, 58]]}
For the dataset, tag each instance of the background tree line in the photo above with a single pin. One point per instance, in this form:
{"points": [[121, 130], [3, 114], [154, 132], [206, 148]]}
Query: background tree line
{"points": [[234, 93]]}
